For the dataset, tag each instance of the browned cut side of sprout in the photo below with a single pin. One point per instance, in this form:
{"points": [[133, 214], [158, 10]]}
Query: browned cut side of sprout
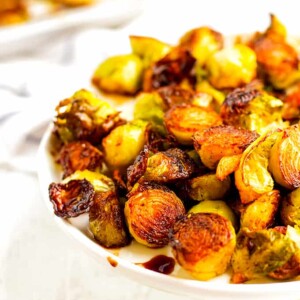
{"points": [[260, 214], [151, 212], [71, 199], [79, 155], [106, 220], [227, 165], [214, 143], [284, 161], [172, 69], [203, 244], [185, 120], [170, 165], [202, 42]]}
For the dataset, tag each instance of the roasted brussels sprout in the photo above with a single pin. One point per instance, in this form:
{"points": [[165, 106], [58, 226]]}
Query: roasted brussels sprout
{"points": [[216, 142], [168, 166], [84, 117], [252, 178], [203, 244], [121, 74], [172, 69], [184, 120], [71, 199], [100, 182], [284, 163], [231, 67], [260, 214], [79, 155], [208, 187], [277, 60], [252, 109], [176, 95], [124, 143], [292, 267], [151, 212], [291, 105], [106, 220], [217, 207], [227, 165], [150, 107], [148, 49], [202, 42], [203, 86], [290, 208], [260, 253]]}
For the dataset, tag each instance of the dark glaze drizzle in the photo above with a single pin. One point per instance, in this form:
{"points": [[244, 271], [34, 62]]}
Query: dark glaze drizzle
{"points": [[161, 263]]}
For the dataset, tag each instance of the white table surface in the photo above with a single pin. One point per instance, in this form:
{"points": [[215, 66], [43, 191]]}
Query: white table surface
{"points": [[37, 260]]}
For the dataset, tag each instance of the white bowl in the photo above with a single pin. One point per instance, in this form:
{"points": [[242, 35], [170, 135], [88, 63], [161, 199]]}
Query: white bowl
{"points": [[125, 260]]}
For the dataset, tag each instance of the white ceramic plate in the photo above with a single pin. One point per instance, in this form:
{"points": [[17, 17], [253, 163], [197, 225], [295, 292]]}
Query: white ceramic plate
{"points": [[126, 258], [106, 13]]}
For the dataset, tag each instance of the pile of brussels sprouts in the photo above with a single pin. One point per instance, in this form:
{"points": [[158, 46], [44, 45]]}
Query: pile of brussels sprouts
{"points": [[209, 163]]}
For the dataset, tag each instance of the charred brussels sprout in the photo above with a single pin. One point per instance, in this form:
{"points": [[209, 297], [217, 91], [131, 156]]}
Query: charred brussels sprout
{"points": [[260, 214], [106, 220], [151, 212], [252, 178], [80, 155], [183, 121], [259, 253], [71, 199], [252, 109], [208, 187], [124, 143], [120, 74], [232, 67], [202, 42], [203, 244], [290, 208], [284, 162], [84, 117], [148, 49], [216, 142], [168, 166], [277, 60], [173, 69], [217, 207]]}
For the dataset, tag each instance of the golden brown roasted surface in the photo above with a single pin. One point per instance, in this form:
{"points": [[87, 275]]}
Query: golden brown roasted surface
{"points": [[217, 142], [151, 213], [185, 120], [203, 244]]}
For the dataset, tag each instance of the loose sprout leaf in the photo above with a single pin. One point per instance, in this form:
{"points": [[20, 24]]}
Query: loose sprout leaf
{"points": [[71, 199]]}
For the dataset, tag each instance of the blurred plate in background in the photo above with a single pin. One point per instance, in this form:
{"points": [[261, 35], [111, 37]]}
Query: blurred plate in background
{"points": [[26, 36]]}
